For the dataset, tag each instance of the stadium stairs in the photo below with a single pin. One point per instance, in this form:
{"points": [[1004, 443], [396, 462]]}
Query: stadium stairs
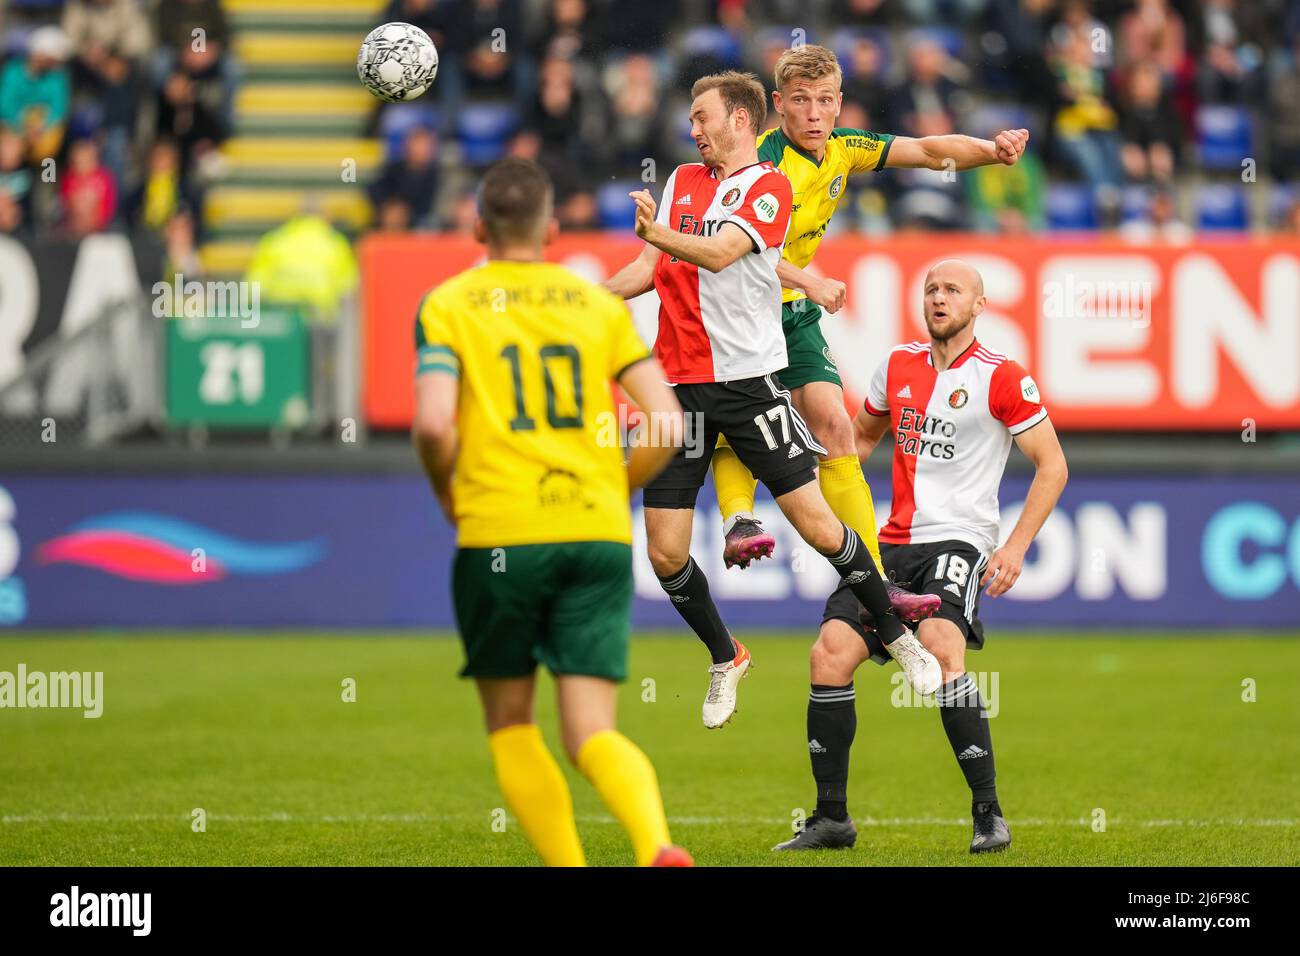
{"points": [[300, 115]]}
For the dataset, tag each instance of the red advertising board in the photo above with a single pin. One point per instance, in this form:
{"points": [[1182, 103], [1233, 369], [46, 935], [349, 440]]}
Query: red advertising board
{"points": [[1118, 336]]}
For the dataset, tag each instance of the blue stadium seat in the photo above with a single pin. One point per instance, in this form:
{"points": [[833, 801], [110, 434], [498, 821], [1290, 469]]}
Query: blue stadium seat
{"points": [[1222, 208], [845, 39], [950, 38], [714, 43], [484, 130], [15, 40], [684, 134], [1135, 204], [771, 36], [617, 210], [398, 119], [991, 119], [1280, 202], [1224, 137], [85, 120], [1070, 206]]}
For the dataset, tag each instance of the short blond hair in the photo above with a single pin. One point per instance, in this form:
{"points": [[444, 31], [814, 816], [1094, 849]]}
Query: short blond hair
{"points": [[807, 62], [738, 90]]}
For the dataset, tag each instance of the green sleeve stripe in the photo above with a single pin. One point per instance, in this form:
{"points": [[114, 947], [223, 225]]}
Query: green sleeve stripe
{"points": [[438, 367], [884, 153], [439, 357]]}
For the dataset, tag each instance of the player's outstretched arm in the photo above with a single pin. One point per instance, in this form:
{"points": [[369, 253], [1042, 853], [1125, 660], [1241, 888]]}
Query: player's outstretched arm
{"points": [[956, 151], [635, 278], [714, 252], [830, 294], [645, 385], [1042, 447], [433, 432]]}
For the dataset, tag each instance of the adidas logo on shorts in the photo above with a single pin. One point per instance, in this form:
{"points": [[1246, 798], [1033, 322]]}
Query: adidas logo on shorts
{"points": [[795, 451]]}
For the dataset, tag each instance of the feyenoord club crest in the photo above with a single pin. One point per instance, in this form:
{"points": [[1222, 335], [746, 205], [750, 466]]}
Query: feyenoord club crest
{"points": [[732, 195], [836, 185], [958, 398]]}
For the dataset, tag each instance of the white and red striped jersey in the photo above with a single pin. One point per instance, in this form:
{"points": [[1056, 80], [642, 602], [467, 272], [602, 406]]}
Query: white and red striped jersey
{"points": [[952, 436], [719, 327]]}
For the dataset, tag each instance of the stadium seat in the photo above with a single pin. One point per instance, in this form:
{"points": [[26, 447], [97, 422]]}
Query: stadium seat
{"points": [[85, 120], [1070, 206], [1223, 136], [617, 210], [15, 40], [950, 38], [484, 129], [843, 41], [991, 119], [1279, 203], [398, 119], [1222, 208], [780, 35], [715, 43], [1135, 204]]}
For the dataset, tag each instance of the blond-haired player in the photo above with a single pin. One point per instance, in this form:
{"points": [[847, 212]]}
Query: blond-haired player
{"points": [[818, 157]]}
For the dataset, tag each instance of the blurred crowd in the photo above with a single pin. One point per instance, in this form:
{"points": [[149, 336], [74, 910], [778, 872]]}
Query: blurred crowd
{"points": [[1155, 117], [110, 115], [1147, 115]]}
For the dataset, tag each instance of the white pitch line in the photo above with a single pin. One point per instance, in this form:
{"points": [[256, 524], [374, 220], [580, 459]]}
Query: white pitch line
{"points": [[424, 818]]}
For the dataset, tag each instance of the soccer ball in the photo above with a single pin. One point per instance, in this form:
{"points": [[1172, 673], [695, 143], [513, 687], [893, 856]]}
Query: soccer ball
{"points": [[397, 62]]}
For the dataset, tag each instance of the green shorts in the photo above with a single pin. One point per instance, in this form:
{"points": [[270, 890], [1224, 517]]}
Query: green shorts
{"points": [[806, 349], [567, 606]]}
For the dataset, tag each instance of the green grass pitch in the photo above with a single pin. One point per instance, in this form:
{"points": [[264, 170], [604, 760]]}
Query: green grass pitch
{"points": [[252, 729]]}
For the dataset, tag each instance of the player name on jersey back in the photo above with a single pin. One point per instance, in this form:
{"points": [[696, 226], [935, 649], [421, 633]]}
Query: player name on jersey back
{"points": [[952, 435], [534, 347], [719, 327]]}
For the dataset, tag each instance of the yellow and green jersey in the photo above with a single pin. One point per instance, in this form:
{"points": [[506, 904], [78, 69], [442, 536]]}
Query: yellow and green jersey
{"points": [[818, 187], [535, 347]]}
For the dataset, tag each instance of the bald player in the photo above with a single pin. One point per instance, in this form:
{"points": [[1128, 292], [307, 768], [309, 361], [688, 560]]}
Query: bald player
{"points": [[954, 407]]}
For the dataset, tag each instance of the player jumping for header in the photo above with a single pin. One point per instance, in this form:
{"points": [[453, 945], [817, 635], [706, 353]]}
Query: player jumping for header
{"points": [[720, 342], [955, 407], [818, 158]]}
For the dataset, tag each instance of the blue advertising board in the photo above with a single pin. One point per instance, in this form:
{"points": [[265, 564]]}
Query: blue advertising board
{"points": [[348, 551]]}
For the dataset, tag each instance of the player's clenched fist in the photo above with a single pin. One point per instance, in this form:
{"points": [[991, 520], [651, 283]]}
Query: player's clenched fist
{"points": [[645, 211], [830, 294], [1010, 145]]}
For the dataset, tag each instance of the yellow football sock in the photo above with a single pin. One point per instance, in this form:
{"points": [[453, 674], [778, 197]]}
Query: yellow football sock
{"points": [[845, 489], [625, 780], [732, 479], [537, 794]]}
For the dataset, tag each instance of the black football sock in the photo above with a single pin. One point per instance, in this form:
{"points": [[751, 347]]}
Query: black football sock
{"points": [[689, 591], [966, 723], [857, 569], [832, 722]]}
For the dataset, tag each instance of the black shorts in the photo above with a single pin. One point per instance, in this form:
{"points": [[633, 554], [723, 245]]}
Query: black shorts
{"points": [[760, 424], [950, 569]]}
